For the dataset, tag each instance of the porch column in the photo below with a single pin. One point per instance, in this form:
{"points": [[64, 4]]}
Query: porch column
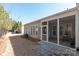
{"points": [[47, 31], [77, 29], [41, 30], [58, 31]]}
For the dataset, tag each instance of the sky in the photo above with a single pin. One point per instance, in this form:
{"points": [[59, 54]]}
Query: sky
{"points": [[28, 12]]}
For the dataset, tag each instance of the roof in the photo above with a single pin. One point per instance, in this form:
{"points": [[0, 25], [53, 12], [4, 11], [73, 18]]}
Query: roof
{"points": [[68, 10], [32, 22]]}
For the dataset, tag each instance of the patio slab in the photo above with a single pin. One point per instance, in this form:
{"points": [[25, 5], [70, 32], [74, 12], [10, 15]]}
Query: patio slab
{"points": [[52, 49]]}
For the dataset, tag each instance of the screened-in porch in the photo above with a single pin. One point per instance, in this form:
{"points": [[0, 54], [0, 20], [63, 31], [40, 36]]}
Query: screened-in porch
{"points": [[67, 31], [52, 31], [65, 28]]}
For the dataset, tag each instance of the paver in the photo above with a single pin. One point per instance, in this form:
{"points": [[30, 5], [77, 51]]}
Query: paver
{"points": [[49, 49]]}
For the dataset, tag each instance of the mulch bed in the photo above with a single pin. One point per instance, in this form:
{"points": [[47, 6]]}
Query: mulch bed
{"points": [[34, 39], [31, 39]]}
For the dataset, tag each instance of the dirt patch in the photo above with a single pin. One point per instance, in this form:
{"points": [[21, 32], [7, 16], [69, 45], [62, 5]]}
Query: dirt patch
{"points": [[22, 46], [2, 45], [17, 46]]}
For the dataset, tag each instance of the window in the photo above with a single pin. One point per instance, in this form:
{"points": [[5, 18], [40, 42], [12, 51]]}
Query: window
{"points": [[31, 30], [36, 30], [44, 29], [39, 30], [36, 33]]}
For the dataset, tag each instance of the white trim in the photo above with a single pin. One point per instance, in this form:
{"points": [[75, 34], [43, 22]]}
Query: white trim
{"points": [[75, 33], [44, 25], [58, 31], [47, 31], [77, 28], [44, 34], [43, 20], [41, 30]]}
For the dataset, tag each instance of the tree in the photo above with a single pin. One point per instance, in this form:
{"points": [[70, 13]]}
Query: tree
{"points": [[17, 26], [6, 22], [4, 18], [14, 26]]}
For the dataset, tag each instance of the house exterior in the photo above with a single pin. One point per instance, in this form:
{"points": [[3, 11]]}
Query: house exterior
{"points": [[33, 29], [61, 28]]}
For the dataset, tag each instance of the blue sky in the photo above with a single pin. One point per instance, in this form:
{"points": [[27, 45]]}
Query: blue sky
{"points": [[28, 12]]}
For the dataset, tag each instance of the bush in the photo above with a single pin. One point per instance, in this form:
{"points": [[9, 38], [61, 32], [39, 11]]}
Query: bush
{"points": [[26, 35]]}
